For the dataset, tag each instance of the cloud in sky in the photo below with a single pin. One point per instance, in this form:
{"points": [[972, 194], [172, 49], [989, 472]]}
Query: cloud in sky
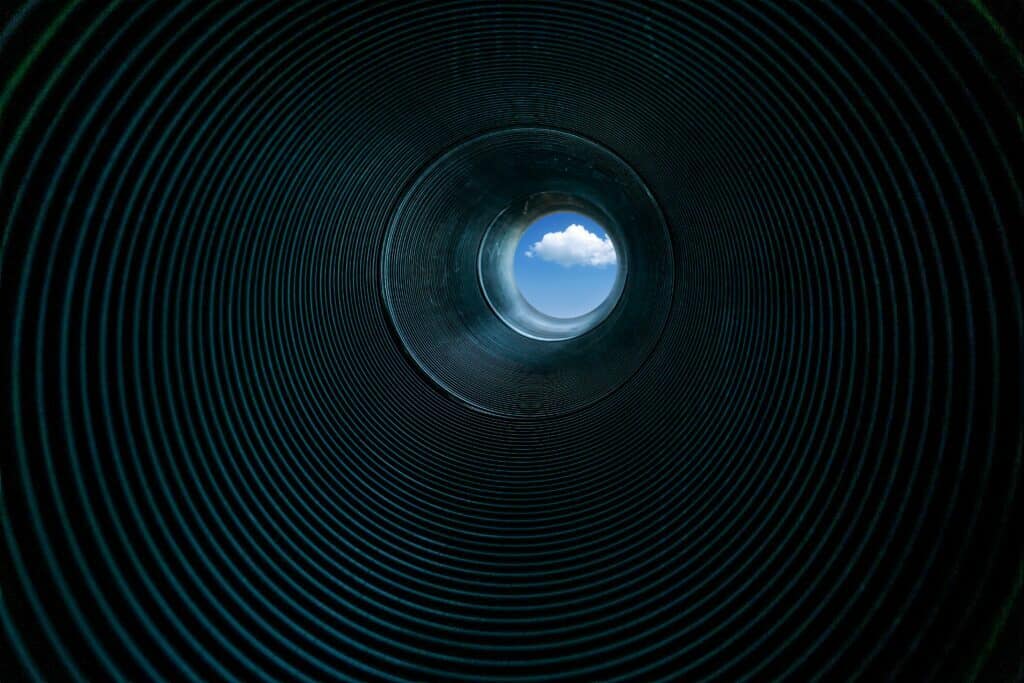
{"points": [[574, 246]]}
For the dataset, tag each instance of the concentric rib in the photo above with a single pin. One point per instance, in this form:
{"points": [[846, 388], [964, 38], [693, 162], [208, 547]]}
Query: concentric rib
{"points": [[234, 454]]}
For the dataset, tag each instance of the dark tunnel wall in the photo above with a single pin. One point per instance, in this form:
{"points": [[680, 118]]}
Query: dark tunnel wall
{"points": [[800, 460]]}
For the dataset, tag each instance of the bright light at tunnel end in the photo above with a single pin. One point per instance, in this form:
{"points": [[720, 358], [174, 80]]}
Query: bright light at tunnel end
{"points": [[566, 265]]}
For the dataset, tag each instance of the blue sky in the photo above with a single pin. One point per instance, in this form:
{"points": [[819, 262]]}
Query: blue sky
{"points": [[565, 265]]}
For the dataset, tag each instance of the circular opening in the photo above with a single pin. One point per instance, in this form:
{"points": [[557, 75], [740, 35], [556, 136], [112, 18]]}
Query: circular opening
{"points": [[549, 269], [449, 284], [565, 264]]}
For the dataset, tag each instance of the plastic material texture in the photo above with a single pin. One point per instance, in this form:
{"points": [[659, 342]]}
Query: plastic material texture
{"points": [[261, 423]]}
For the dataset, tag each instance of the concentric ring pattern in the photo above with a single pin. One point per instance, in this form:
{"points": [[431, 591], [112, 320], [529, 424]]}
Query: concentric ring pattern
{"points": [[220, 462], [435, 276]]}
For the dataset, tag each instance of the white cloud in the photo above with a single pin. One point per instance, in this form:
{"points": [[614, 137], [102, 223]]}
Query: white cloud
{"points": [[574, 246]]}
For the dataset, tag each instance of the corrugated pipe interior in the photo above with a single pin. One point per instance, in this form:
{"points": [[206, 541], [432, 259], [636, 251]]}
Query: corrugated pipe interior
{"points": [[275, 408], [448, 282]]}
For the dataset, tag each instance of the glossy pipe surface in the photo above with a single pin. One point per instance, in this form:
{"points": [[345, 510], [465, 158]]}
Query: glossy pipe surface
{"points": [[260, 421]]}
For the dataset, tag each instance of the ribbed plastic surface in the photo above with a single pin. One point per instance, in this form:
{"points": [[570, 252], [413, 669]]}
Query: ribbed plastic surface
{"points": [[221, 462]]}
